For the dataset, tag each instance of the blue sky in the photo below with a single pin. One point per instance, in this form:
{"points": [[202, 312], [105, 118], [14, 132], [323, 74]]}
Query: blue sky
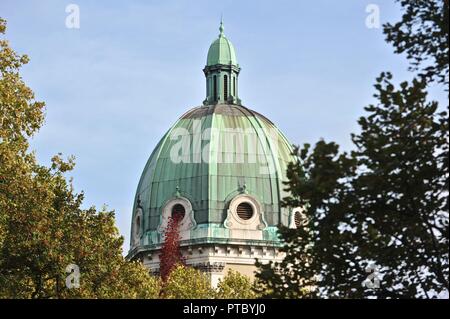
{"points": [[115, 85]]}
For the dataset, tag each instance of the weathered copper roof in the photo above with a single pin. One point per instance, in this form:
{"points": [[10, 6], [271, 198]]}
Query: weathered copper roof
{"points": [[210, 186], [221, 51]]}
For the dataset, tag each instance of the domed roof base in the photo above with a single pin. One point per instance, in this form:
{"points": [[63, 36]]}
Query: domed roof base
{"points": [[216, 259]]}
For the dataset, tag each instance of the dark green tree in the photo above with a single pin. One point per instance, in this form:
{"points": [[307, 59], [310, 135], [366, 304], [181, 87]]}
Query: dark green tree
{"points": [[384, 207], [385, 204], [422, 34]]}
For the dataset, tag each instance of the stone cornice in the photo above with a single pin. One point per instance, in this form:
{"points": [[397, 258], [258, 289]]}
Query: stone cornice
{"points": [[211, 241]]}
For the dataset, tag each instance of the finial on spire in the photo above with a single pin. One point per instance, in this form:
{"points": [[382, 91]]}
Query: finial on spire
{"points": [[221, 28]]}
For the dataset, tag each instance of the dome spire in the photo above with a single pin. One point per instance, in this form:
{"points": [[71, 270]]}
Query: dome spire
{"points": [[221, 71], [221, 28]]}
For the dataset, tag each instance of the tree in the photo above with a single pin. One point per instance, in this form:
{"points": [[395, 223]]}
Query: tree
{"points": [[318, 252], [187, 283], [43, 228], [235, 286], [379, 215], [170, 256], [403, 190], [422, 34], [386, 204]]}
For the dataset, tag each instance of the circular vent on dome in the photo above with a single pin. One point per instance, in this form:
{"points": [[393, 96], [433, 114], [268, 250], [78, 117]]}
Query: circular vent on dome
{"points": [[245, 211], [298, 219], [178, 211]]}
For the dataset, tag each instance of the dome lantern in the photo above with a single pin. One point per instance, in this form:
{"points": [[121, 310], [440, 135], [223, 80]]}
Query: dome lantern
{"points": [[221, 72]]}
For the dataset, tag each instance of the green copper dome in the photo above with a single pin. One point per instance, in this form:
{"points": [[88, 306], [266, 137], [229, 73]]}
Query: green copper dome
{"points": [[220, 169], [221, 151], [221, 51]]}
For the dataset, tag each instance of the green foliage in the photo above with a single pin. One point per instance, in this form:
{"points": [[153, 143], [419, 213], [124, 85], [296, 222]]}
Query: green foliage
{"points": [[318, 181], [385, 205], [235, 286], [43, 228], [187, 283], [20, 115], [129, 280], [422, 34]]}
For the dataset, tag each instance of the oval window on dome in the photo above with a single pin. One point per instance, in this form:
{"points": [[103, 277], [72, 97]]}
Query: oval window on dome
{"points": [[245, 211], [178, 211]]}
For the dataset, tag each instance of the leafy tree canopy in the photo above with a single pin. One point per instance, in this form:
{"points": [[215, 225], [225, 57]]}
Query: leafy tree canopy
{"points": [[43, 228], [422, 34], [377, 218]]}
